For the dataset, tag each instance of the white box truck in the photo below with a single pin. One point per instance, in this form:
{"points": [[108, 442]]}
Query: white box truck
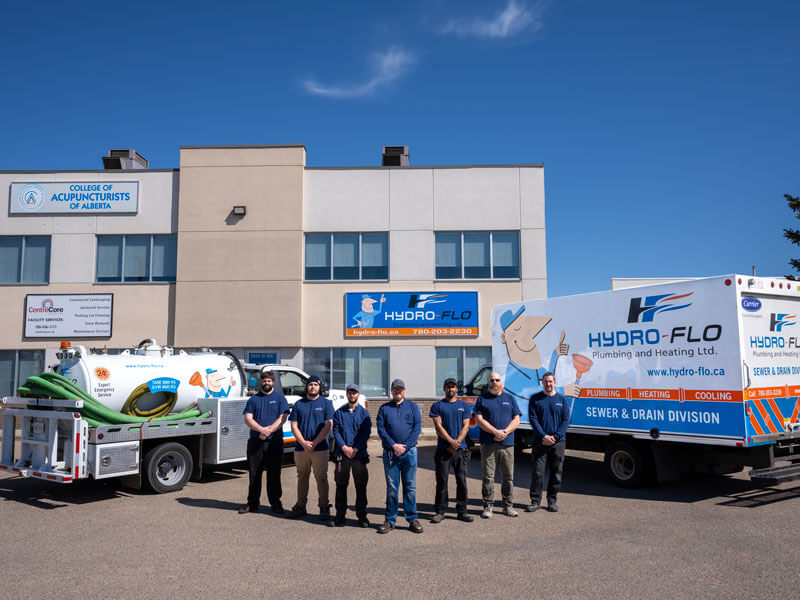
{"points": [[701, 375]]}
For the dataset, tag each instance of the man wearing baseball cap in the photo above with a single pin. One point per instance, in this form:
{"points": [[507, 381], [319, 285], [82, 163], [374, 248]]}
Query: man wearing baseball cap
{"points": [[451, 421], [399, 424], [351, 428], [311, 419]]}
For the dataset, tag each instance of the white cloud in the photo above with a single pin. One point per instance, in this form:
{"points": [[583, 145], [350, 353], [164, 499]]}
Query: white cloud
{"points": [[387, 67], [511, 21]]}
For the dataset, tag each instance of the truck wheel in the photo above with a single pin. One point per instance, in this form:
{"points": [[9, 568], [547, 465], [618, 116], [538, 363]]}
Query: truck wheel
{"points": [[628, 465], [168, 467]]}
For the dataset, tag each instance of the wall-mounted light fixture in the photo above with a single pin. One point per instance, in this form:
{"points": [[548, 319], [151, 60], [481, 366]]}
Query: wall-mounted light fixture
{"points": [[240, 211]]}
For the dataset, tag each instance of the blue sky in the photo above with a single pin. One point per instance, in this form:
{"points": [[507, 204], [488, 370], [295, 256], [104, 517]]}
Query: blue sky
{"points": [[669, 131]]}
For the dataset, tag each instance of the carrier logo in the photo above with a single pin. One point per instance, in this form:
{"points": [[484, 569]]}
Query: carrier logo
{"points": [[638, 313], [777, 321], [30, 197], [751, 304], [420, 300]]}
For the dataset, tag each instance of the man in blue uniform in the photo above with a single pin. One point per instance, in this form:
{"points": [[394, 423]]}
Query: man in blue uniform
{"points": [[549, 414], [351, 428], [399, 424], [265, 413], [312, 420], [451, 420], [498, 415]]}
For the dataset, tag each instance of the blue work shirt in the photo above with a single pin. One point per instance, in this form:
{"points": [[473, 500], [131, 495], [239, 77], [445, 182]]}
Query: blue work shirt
{"points": [[549, 415], [399, 424], [266, 408], [452, 415], [352, 429], [499, 411], [310, 416]]}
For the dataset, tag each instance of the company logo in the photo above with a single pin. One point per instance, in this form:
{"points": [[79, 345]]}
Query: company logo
{"points": [[420, 300], [777, 321], [751, 304], [30, 196], [47, 306], [644, 312]]}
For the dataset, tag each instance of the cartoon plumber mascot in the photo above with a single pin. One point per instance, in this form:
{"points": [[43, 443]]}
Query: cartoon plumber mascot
{"points": [[525, 369]]}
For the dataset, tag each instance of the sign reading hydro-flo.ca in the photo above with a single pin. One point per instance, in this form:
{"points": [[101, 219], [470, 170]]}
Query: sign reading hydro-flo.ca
{"points": [[413, 314], [74, 197], [68, 315]]}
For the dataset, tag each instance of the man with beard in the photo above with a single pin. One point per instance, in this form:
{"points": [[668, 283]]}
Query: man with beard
{"points": [[351, 428], [265, 414], [451, 421], [312, 419], [549, 414], [498, 415]]}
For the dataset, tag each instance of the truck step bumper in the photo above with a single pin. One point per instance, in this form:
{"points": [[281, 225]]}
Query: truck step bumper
{"points": [[775, 475]]}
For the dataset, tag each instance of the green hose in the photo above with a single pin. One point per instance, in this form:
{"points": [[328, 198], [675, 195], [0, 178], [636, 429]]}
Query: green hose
{"points": [[97, 414]]}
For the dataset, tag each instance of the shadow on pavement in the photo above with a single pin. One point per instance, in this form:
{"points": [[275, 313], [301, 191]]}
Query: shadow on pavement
{"points": [[47, 495], [587, 476]]}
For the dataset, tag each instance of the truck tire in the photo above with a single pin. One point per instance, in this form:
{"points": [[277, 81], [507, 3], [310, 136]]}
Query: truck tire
{"points": [[167, 467], [628, 464]]}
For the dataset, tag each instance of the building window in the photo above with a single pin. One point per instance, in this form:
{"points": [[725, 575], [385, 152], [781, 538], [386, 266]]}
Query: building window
{"points": [[368, 368], [477, 255], [16, 366], [136, 258], [459, 362], [25, 259], [347, 256]]}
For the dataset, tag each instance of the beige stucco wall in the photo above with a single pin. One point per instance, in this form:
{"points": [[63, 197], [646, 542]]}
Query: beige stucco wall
{"points": [[412, 204], [239, 279], [140, 310]]}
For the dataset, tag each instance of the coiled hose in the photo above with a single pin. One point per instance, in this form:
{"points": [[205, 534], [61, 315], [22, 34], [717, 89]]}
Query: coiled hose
{"points": [[97, 414], [131, 404]]}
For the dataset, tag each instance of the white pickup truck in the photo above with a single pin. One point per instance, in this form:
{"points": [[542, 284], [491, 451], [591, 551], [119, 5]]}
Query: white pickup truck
{"points": [[291, 382]]}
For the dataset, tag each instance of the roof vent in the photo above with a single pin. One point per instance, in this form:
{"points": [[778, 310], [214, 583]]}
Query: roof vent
{"points": [[124, 159], [395, 156]]}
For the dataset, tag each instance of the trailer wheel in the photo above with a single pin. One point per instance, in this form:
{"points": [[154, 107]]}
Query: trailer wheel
{"points": [[168, 467], [628, 465]]}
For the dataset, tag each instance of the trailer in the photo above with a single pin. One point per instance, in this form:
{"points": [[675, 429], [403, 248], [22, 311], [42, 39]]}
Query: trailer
{"points": [[56, 443], [694, 376]]}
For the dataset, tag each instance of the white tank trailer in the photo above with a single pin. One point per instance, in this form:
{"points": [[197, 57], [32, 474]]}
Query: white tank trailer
{"points": [[150, 374]]}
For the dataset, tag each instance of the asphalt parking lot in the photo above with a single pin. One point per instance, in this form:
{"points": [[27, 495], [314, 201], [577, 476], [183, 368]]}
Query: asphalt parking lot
{"points": [[709, 537]]}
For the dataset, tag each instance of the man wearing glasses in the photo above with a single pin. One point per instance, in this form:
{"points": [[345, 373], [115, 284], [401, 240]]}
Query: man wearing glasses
{"points": [[498, 415], [265, 414]]}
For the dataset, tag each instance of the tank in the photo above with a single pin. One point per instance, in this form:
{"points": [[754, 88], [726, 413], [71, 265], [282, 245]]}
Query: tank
{"points": [[152, 375]]}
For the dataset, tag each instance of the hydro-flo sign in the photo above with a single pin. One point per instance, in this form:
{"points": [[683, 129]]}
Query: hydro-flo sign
{"points": [[75, 197], [68, 316], [663, 359], [412, 314]]}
